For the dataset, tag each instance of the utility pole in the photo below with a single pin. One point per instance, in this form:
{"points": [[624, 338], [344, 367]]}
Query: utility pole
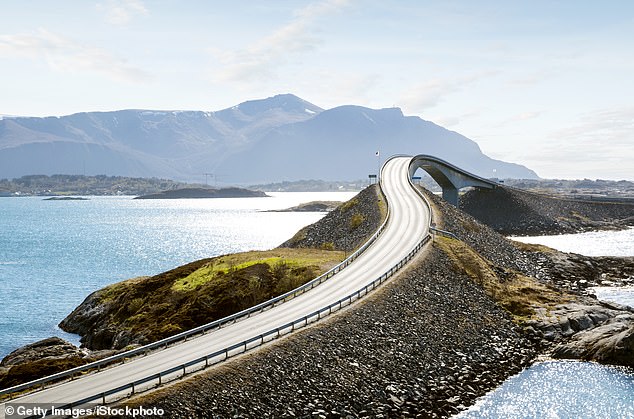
{"points": [[206, 176]]}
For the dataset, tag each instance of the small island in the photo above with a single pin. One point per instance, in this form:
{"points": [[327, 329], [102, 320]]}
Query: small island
{"points": [[313, 206], [65, 198], [189, 193]]}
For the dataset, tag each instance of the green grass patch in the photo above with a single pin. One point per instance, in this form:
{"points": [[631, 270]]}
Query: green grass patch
{"points": [[223, 265]]}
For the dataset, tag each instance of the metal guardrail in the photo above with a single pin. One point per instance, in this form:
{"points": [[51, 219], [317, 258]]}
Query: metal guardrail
{"points": [[203, 362], [200, 330]]}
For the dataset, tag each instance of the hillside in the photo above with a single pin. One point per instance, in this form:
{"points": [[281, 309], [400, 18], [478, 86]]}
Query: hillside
{"points": [[269, 140]]}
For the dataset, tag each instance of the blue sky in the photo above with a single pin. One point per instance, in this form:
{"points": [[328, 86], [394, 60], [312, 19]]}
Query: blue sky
{"points": [[548, 84]]}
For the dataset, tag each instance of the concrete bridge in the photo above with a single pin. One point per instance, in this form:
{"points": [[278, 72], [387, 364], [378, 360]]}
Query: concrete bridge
{"points": [[450, 178]]}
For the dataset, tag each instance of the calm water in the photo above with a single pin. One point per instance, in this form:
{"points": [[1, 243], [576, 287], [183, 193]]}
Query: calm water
{"points": [[569, 389], [54, 253]]}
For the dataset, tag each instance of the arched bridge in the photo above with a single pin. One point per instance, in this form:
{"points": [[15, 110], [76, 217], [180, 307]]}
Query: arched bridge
{"points": [[450, 178]]}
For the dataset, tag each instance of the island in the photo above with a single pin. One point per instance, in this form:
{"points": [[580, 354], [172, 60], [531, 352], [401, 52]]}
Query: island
{"points": [[65, 198], [189, 193], [313, 206]]}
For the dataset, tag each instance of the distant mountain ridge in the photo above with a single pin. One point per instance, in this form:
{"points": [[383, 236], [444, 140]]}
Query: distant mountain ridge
{"points": [[275, 139]]}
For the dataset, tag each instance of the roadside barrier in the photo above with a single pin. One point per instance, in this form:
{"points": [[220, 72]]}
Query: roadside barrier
{"points": [[201, 363]]}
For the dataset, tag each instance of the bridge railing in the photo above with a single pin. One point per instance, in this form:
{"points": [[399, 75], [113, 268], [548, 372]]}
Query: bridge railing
{"points": [[200, 330]]}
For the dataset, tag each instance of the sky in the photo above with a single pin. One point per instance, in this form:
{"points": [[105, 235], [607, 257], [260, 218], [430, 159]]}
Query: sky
{"points": [[546, 84]]}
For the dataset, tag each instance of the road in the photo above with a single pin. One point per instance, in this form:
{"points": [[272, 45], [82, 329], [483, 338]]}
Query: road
{"points": [[408, 223]]}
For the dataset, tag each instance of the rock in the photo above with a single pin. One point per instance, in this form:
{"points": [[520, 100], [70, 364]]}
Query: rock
{"points": [[39, 359], [610, 343]]}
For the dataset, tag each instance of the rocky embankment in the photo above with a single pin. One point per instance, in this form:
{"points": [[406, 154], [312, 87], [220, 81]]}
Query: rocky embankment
{"points": [[516, 212], [346, 227], [426, 345]]}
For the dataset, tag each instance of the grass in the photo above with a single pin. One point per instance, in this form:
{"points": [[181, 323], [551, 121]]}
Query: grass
{"points": [[223, 265], [151, 308], [518, 294]]}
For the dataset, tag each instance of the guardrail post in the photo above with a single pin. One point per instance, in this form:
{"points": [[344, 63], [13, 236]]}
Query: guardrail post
{"points": [[103, 397], [132, 388]]}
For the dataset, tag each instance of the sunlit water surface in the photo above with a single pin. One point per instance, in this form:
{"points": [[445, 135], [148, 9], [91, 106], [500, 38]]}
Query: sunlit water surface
{"points": [[561, 389], [54, 253], [594, 243]]}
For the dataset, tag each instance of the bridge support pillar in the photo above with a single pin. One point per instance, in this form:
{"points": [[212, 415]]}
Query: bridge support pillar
{"points": [[450, 194]]}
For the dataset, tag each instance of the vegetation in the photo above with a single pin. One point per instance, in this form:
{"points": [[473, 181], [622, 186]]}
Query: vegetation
{"points": [[86, 185], [356, 220], [152, 308], [518, 294]]}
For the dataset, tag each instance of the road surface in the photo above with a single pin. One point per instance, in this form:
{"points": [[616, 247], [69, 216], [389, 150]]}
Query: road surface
{"points": [[408, 223]]}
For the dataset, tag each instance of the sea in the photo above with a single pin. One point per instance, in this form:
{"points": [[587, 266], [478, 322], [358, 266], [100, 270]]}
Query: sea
{"points": [[55, 253]]}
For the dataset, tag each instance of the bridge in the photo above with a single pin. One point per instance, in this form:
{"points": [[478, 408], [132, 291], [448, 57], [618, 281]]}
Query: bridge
{"points": [[404, 232], [450, 178]]}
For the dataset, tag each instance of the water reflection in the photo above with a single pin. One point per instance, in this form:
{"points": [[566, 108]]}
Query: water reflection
{"points": [[561, 389]]}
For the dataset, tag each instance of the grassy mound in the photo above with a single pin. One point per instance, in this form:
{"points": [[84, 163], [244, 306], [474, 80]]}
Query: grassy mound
{"points": [[146, 309]]}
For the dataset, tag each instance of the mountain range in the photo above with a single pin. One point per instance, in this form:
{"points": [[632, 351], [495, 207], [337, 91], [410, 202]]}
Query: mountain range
{"points": [[275, 139]]}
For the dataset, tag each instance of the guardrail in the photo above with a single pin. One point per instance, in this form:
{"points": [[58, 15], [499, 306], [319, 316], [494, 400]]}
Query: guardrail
{"points": [[200, 330], [204, 362]]}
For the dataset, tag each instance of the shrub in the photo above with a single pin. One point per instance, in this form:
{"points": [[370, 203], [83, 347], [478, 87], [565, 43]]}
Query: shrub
{"points": [[356, 220]]}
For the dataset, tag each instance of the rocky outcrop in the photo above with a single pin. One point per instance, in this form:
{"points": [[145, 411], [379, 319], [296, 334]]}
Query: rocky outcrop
{"points": [[516, 212], [41, 358], [313, 206], [587, 330]]}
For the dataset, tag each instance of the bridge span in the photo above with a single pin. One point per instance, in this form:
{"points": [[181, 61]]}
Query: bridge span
{"points": [[450, 178]]}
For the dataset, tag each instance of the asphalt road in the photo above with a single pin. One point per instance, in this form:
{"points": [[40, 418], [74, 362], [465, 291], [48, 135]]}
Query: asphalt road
{"points": [[408, 223]]}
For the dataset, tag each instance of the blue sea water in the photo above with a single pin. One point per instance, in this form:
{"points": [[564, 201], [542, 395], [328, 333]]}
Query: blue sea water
{"points": [[54, 253]]}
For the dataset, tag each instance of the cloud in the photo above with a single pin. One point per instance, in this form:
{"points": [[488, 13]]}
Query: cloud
{"points": [[121, 12], [65, 55], [599, 145], [430, 93], [260, 60]]}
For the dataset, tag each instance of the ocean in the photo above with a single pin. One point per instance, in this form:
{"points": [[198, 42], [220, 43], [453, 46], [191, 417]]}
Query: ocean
{"points": [[55, 253]]}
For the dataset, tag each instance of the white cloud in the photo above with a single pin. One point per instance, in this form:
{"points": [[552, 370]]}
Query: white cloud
{"points": [[260, 60], [599, 145], [65, 55], [430, 93], [121, 12]]}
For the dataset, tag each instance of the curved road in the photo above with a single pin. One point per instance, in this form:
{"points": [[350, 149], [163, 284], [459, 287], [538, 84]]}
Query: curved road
{"points": [[408, 223]]}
